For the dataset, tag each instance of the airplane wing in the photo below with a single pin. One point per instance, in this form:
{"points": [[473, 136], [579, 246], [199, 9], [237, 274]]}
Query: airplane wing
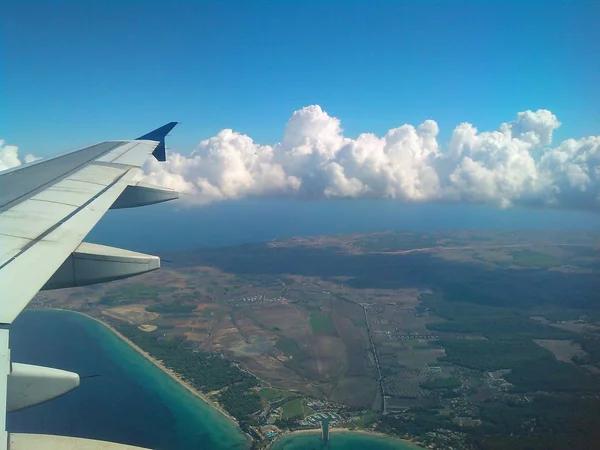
{"points": [[46, 210]]}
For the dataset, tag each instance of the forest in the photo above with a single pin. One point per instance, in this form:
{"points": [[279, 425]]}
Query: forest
{"points": [[204, 371]]}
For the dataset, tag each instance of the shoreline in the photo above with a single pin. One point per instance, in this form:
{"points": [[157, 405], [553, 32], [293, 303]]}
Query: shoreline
{"points": [[172, 374], [203, 397], [340, 430]]}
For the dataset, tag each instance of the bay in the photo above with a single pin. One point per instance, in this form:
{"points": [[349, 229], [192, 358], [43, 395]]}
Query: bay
{"points": [[129, 401]]}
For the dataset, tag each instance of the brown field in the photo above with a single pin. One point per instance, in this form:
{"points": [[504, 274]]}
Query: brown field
{"points": [[561, 349], [136, 314], [355, 391]]}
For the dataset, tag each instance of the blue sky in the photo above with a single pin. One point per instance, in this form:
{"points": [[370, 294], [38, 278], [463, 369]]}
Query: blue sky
{"points": [[77, 72]]}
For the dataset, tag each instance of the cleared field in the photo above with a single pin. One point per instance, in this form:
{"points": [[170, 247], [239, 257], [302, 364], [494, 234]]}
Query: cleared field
{"points": [[563, 350], [530, 258], [268, 394], [147, 328], [322, 324], [135, 314], [325, 359], [289, 347], [284, 319], [355, 391], [293, 408], [355, 347], [416, 357]]}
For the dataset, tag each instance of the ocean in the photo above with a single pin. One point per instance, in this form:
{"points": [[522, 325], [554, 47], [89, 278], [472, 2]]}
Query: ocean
{"points": [[173, 226], [130, 401], [124, 398]]}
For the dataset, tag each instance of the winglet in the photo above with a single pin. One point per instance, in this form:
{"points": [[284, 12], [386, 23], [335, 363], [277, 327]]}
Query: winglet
{"points": [[160, 152]]}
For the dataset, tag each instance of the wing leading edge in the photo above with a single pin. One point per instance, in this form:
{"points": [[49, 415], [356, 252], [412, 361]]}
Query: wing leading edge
{"points": [[47, 208]]}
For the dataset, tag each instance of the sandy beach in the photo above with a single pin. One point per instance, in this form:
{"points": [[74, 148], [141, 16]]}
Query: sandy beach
{"points": [[158, 364], [345, 431]]}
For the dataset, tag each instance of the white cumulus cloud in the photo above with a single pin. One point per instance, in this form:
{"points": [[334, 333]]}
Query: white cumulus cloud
{"points": [[515, 164], [9, 156], [315, 160]]}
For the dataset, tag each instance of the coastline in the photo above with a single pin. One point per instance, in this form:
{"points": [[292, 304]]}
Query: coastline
{"points": [[340, 430], [174, 376]]}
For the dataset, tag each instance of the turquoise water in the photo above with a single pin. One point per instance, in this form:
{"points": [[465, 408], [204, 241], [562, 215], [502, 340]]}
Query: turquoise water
{"points": [[341, 441], [131, 401]]}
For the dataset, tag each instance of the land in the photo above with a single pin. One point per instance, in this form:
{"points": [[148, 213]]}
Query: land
{"points": [[469, 339]]}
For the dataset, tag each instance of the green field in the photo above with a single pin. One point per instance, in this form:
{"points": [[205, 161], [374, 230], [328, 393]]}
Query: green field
{"points": [[359, 323], [529, 258], [441, 383], [322, 324], [366, 419], [292, 408], [289, 347], [268, 394]]}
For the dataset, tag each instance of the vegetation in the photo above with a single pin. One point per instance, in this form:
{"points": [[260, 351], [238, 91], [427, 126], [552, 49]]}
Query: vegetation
{"points": [[322, 324], [286, 423], [171, 308], [204, 371], [289, 347], [530, 258], [421, 421], [552, 376], [359, 323], [495, 326], [441, 383], [548, 422], [240, 400], [366, 419], [293, 408], [489, 355], [268, 394]]}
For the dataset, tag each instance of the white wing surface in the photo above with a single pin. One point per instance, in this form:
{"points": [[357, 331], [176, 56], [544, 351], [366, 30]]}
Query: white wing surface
{"points": [[46, 210]]}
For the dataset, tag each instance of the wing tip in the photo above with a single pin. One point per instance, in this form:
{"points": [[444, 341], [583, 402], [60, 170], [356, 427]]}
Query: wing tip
{"points": [[160, 152]]}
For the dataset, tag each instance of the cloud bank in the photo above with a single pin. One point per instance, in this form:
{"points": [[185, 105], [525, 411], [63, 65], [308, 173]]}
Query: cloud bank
{"points": [[515, 164]]}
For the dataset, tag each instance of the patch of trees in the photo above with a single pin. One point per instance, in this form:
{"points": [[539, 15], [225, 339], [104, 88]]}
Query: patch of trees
{"points": [[590, 343], [553, 376], [441, 383], [513, 326], [240, 400], [496, 354], [290, 423], [548, 422], [418, 423], [204, 371]]}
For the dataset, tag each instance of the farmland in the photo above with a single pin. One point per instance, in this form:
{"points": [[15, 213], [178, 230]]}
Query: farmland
{"points": [[453, 321]]}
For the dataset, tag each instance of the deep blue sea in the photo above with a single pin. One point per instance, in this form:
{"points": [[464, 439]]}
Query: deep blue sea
{"points": [[173, 226]]}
